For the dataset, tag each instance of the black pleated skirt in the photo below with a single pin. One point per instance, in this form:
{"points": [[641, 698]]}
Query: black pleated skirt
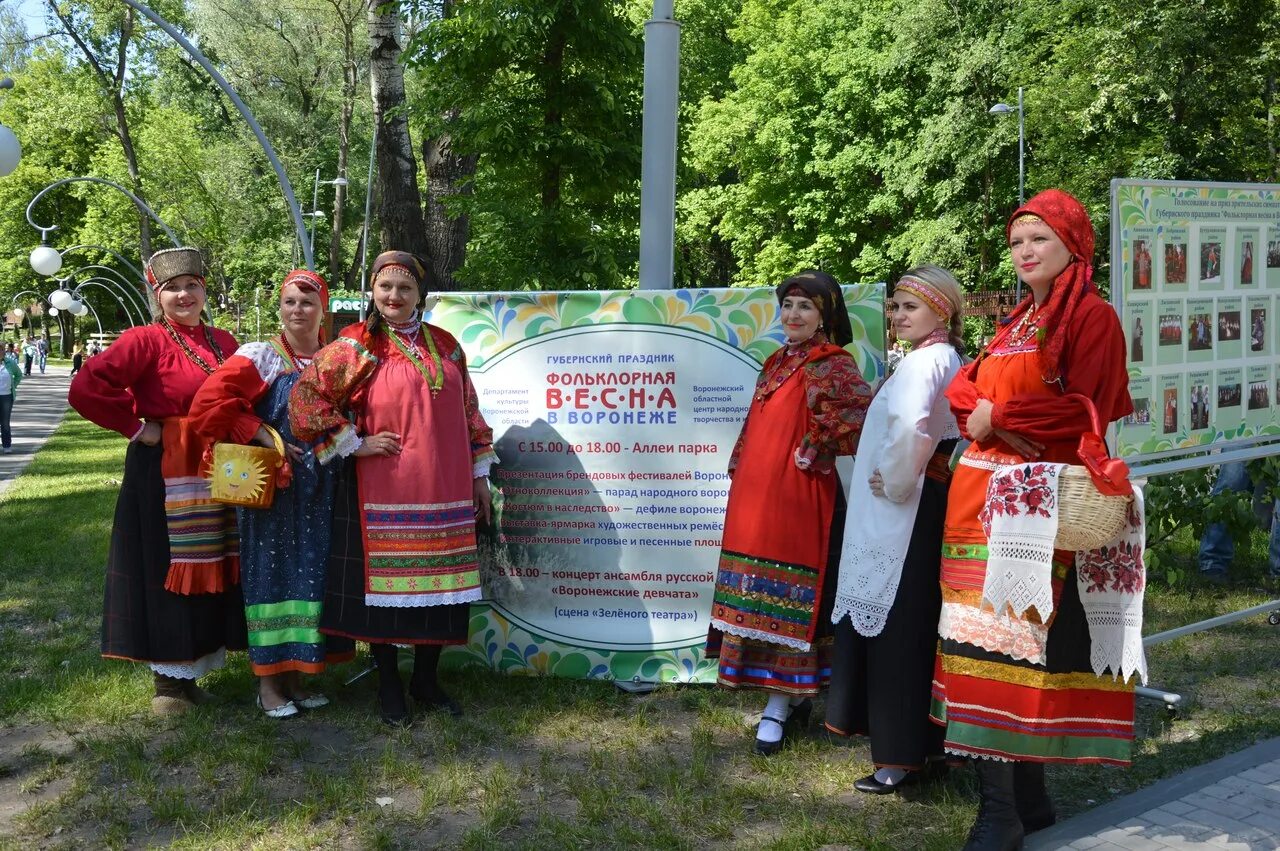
{"points": [[345, 612], [142, 621], [881, 686]]}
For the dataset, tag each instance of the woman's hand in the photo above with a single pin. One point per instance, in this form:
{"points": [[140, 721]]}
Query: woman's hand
{"points": [[480, 495], [384, 443], [264, 438], [151, 434], [979, 423], [1024, 446], [876, 482]]}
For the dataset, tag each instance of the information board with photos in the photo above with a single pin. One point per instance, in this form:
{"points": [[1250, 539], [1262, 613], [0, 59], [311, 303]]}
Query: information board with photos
{"points": [[1195, 279]]}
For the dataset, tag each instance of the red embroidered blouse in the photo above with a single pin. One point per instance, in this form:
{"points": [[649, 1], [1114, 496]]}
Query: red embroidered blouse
{"points": [[143, 375]]}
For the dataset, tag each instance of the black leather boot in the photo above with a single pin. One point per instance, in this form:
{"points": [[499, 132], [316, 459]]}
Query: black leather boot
{"points": [[997, 827], [1035, 809]]}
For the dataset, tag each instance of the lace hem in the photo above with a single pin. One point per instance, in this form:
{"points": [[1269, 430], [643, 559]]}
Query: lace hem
{"points": [[968, 754], [417, 601], [192, 670], [759, 635], [868, 618], [1014, 637]]}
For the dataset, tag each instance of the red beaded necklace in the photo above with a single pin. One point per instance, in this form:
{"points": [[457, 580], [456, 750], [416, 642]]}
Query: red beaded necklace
{"points": [[288, 350], [192, 354]]}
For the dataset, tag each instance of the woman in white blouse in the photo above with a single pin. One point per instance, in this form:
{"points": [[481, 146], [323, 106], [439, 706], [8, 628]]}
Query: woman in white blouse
{"points": [[888, 596]]}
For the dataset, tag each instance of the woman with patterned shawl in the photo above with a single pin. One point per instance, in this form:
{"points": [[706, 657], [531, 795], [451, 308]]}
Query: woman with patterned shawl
{"points": [[887, 597], [284, 549], [771, 617], [1013, 692], [173, 594], [413, 462]]}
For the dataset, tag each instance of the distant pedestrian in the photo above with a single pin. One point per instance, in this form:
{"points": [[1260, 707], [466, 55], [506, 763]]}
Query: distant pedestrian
{"points": [[42, 353], [28, 355], [77, 358], [10, 377]]}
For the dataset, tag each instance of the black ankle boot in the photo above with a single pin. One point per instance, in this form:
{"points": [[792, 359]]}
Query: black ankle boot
{"points": [[997, 827], [1035, 809]]}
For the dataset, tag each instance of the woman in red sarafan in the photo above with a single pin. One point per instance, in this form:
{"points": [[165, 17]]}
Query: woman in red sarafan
{"points": [[173, 596], [415, 457], [1015, 693], [775, 586]]}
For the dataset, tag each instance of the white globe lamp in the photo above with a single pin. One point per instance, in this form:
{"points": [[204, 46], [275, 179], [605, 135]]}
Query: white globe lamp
{"points": [[78, 308], [10, 151], [61, 299], [19, 312], [45, 260], [53, 311]]}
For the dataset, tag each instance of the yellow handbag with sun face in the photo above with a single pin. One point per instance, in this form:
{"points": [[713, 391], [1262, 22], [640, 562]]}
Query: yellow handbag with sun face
{"points": [[246, 474]]}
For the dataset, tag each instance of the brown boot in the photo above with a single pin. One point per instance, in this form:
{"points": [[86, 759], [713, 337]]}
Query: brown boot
{"points": [[171, 697]]}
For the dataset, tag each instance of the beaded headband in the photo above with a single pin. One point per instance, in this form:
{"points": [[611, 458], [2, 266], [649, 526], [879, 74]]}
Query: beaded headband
{"points": [[936, 301], [1027, 219], [799, 291], [308, 281]]}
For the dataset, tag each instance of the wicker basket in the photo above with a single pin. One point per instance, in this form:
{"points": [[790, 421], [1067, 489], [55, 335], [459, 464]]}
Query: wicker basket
{"points": [[1087, 519]]}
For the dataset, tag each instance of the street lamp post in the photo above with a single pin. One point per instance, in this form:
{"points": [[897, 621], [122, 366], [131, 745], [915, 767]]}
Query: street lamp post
{"points": [[13, 301], [135, 299], [315, 203], [137, 202], [1005, 109]]}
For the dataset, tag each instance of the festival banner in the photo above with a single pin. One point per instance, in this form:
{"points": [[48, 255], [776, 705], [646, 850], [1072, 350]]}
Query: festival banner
{"points": [[614, 416], [1196, 262]]}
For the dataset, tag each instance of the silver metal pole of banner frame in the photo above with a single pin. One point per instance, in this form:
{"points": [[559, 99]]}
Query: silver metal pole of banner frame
{"points": [[658, 148]]}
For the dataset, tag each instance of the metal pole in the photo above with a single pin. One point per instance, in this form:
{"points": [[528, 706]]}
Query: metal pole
{"points": [[1022, 192], [116, 254], [138, 300], [85, 302], [364, 239], [102, 283], [194, 52], [315, 204], [658, 148], [138, 202]]}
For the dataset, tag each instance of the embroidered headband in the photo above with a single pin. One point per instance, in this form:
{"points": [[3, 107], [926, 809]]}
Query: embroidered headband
{"points": [[1026, 219], [398, 264], [797, 290], [308, 281], [170, 263], [935, 300]]}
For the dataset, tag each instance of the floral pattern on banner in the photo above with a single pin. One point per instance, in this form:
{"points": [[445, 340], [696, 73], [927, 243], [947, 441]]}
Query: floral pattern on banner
{"points": [[747, 319], [498, 644], [1026, 491]]}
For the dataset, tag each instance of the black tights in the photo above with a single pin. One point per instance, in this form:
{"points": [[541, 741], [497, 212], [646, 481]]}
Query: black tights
{"points": [[426, 659]]}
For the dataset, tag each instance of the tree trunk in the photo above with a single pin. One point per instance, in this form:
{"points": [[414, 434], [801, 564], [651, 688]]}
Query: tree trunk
{"points": [[344, 149], [399, 200], [448, 174]]}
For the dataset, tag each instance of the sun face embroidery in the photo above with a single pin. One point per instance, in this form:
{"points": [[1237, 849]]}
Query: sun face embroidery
{"points": [[239, 479]]}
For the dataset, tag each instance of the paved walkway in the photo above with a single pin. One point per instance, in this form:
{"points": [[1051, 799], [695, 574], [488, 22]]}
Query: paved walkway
{"points": [[1231, 804], [38, 410]]}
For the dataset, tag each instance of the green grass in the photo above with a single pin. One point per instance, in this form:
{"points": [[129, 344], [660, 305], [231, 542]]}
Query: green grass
{"points": [[536, 763]]}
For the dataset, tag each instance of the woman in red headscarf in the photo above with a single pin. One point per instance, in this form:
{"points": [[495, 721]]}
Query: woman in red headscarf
{"points": [[392, 399], [284, 548], [1013, 692]]}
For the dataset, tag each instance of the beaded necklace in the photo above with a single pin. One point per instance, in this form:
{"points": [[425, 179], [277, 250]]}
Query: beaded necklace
{"points": [[434, 376], [1028, 326], [192, 354], [293, 356]]}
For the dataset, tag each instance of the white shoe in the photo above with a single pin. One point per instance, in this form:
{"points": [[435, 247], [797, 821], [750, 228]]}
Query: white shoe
{"points": [[284, 710]]}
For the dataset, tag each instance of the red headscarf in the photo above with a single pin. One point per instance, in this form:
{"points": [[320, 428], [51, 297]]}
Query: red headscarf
{"points": [[308, 281], [1068, 219]]}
